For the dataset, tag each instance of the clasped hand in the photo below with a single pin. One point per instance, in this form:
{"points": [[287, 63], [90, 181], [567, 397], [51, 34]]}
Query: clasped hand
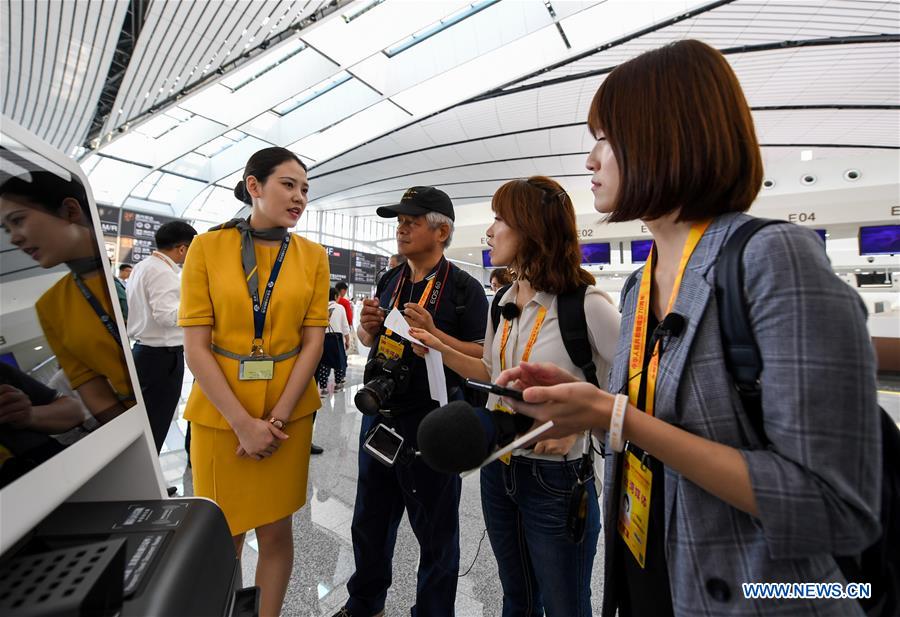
{"points": [[259, 439]]}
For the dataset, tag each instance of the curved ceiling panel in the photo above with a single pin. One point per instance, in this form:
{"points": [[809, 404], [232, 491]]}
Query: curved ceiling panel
{"points": [[54, 57]]}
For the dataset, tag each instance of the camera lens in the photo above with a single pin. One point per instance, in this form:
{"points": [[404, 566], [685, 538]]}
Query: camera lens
{"points": [[372, 396]]}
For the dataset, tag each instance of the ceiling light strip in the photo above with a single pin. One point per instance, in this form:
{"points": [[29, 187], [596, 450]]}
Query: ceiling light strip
{"points": [[438, 27], [90, 88]]}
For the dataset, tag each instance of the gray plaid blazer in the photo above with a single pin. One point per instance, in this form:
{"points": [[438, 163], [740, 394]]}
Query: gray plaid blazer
{"points": [[818, 484]]}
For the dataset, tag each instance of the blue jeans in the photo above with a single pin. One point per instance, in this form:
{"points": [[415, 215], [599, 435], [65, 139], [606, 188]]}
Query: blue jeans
{"points": [[525, 507], [431, 502]]}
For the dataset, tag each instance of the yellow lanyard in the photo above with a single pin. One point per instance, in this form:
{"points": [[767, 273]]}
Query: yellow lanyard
{"points": [[641, 316], [425, 293], [507, 326]]}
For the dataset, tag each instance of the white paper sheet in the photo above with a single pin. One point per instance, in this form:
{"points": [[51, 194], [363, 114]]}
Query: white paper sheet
{"points": [[434, 361]]}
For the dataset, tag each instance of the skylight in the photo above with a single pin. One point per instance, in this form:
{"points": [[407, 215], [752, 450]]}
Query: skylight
{"points": [[255, 69], [312, 93], [359, 10], [440, 26], [221, 143]]}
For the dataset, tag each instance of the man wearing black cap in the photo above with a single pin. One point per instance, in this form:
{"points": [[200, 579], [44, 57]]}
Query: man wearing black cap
{"points": [[439, 297]]}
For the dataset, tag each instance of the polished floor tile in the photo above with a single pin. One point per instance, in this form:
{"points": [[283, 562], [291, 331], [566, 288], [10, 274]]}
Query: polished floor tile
{"points": [[323, 551]]}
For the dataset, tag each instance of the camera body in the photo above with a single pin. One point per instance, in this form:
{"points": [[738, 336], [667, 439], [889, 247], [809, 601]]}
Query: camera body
{"points": [[383, 378]]}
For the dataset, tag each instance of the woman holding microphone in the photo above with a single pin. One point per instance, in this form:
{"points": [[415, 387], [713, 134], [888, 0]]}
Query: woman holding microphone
{"points": [[525, 499], [719, 506], [254, 306]]}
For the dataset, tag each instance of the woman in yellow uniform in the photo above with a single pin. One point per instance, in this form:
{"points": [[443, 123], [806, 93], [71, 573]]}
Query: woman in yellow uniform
{"points": [[48, 218], [254, 306]]}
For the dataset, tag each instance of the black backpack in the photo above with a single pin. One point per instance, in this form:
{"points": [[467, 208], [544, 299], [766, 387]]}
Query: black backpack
{"points": [[572, 327], [878, 564]]}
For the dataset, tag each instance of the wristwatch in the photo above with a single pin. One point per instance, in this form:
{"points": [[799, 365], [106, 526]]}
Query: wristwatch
{"points": [[279, 424]]}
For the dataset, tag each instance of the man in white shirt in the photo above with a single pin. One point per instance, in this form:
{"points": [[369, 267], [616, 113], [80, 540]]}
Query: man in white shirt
{"points": [[153, 297]]}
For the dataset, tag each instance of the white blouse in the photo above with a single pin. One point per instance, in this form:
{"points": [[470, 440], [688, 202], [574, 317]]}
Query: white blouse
{"points": [[602, 319]]}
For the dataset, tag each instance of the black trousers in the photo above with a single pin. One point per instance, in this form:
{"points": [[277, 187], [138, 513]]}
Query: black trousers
{"points": [[161, 372]]}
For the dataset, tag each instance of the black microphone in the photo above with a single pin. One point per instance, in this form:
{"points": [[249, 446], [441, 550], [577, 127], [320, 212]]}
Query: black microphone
{"points": [[672, 325], [510, 311], [457, 437]]}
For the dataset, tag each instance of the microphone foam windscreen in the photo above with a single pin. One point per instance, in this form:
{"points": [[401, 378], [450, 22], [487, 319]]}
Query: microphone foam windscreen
{"points": [[452, 438]]}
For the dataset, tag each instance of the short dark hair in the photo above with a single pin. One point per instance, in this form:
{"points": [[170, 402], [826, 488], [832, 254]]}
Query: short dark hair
{"points": [[502, 276], [260, 166], [125, 267], [342, 286], [171, 234], [682, 133], [48, 191], [332, 294]]}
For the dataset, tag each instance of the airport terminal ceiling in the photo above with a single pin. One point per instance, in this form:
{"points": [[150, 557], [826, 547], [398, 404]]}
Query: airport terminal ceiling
{"points": [[162, 102]]}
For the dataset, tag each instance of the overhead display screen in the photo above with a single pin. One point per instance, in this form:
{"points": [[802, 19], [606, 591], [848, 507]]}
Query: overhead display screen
{"points": [[640, 250], [137, 234], [366, 266], [486, 258], [595, 253], [338, 263], [879, 240]]}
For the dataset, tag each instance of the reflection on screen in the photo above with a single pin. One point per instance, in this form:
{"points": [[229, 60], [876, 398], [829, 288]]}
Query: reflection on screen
{"points": [[879, 240], [595, 253], [640, 250], [63, 372]]}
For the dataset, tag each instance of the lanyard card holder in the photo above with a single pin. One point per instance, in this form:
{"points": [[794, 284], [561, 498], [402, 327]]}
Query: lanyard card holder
{"points": [[258, 366]]}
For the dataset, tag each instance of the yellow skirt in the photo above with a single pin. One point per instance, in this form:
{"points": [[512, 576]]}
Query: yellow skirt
{"points": [[251, 493]]}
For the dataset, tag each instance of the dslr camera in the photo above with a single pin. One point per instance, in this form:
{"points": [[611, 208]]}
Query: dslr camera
{"points": [[383, 378]]}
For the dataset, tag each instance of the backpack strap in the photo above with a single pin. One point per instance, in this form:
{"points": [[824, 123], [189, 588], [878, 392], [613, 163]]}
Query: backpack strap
{"points": [[741, 353], [629, 284], [495, 306], [573, 327], [460, 282], [387, 278], [329, 329]]}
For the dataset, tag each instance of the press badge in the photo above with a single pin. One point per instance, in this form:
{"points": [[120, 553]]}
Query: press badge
{"points": [[256, 369], [634, 506], [389, 348]]}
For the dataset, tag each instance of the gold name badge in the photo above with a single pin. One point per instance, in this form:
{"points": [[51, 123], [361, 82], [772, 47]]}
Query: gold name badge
{"points": [[389, 348], [253, 370]]}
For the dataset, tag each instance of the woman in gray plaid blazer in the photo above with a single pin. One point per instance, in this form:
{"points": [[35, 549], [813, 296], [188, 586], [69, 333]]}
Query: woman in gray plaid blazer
{"points": [[676, 148]]}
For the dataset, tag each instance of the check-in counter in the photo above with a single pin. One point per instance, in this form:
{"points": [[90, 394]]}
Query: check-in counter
{"points": [[884, 328]]}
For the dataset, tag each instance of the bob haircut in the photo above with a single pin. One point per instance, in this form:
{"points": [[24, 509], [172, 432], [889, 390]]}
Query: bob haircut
{"points": [[542, 213], [682, 133]]}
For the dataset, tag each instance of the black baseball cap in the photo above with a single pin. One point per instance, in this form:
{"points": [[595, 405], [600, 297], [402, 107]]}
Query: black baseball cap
{"points": [[420, 200]]}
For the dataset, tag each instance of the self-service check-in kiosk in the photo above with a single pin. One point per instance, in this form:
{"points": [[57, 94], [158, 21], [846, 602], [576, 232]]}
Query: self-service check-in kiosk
{"points": [[85, 524]]}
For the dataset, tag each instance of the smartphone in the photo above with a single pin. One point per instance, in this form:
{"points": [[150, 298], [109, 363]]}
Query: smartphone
{"points": [[493, 388], [384, 444]]}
